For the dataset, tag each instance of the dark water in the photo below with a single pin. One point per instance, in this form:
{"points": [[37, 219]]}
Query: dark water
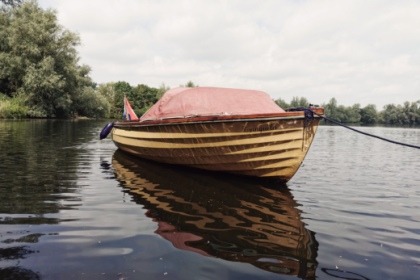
{"points": [[72, 207]]}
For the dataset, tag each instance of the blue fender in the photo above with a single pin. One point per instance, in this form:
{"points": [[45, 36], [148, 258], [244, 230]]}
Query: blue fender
{"points": [[106, 130]]}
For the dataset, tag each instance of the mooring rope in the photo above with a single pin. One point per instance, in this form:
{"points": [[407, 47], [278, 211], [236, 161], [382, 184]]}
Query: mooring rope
{"points": [[362, 132]]}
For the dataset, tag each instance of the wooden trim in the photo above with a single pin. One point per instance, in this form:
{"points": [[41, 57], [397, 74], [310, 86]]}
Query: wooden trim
{"points": [[220, 118]]}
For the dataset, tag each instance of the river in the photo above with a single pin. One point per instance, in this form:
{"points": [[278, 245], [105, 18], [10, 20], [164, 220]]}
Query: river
{"points": [[73, 207]]}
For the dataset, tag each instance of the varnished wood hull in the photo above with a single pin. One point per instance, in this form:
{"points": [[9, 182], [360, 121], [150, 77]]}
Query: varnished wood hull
{"points": [[264, 146]]}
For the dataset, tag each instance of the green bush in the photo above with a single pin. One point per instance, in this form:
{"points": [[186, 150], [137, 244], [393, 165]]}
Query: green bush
{"points": [[12, 108], [91, 104]]}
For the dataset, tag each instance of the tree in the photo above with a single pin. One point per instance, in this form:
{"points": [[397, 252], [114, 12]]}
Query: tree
{"points": [[189, 84], [390, 114], [161, 90], [144, 97], [121, 89], [107, 91], [283, 104], [90, 105], [141, 97], [299, 102], [411, 112], [352, 114], [342, 113], [39, 62], [11, 3], [417, 111], [331, 109], [368, 114]]}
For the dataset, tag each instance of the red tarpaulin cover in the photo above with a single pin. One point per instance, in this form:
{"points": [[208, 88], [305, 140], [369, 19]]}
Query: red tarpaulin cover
{"points": [[210, 101]]}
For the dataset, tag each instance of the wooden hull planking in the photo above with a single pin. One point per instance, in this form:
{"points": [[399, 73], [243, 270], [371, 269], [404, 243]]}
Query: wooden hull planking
{"points": [[260, 147]]}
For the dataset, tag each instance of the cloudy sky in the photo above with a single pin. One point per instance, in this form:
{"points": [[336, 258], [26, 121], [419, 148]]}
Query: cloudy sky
{"points": [[365, 52]]}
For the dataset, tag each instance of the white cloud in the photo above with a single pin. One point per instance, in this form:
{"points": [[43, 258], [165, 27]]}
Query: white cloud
{"points": [[356, 51]]}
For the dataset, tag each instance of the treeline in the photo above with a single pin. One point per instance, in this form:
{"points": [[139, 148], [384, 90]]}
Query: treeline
{"points": [[39, 71], [407, 114], [141, 97], [40, 77]]}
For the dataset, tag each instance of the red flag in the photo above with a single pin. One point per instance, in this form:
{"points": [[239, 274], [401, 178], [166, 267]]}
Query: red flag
{"points": [[128, 111]]}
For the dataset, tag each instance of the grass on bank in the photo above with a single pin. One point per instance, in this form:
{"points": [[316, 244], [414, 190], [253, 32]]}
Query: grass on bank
{"points": [[15, 108]]}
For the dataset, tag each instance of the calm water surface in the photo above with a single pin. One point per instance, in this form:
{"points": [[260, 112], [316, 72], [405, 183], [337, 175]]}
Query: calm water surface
{"points": [[73, 207]]}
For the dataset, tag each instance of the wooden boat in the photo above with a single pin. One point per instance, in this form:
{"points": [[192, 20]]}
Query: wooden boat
{"points": [[230, 130], [249, 221]]}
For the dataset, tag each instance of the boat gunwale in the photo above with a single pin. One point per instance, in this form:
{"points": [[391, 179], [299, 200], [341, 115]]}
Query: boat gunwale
{"points": [[219, 119]]}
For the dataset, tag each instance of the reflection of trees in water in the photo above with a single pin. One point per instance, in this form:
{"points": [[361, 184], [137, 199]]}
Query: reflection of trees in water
{"points": [[229, 217], [40, 166], [16, 272], [13, 253], [16, 253], [30, 238]]}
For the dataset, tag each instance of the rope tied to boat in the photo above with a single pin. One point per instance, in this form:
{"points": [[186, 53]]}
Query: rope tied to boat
{"points": [[309, 114], [307, 131]]}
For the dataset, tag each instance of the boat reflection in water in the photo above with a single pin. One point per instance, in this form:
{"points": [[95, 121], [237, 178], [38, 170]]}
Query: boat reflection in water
{"points": [[225, 216]]}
